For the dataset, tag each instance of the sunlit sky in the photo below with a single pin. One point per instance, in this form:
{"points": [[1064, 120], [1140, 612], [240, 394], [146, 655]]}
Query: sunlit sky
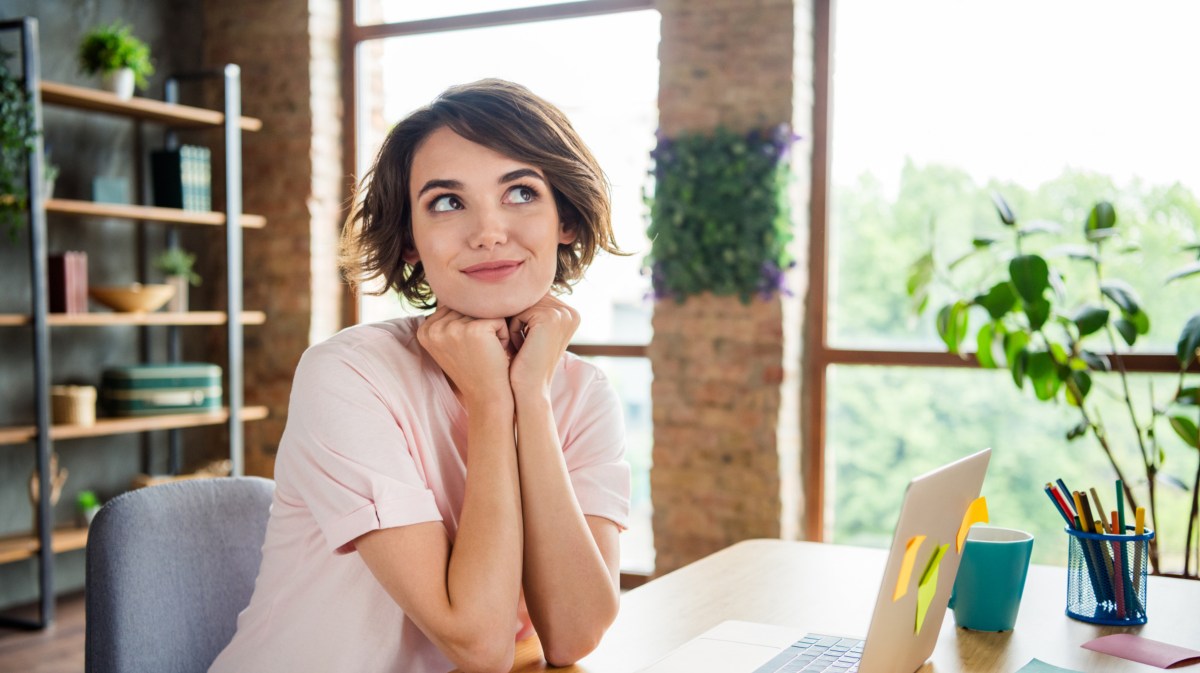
{"points": [[1018, 89]]}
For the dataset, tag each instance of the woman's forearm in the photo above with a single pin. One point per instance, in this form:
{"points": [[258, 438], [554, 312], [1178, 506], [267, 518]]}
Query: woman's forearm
{"points": [[570, 591]]}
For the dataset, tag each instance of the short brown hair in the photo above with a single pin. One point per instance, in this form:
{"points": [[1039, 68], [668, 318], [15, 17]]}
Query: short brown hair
{"points": [[506, 118]]}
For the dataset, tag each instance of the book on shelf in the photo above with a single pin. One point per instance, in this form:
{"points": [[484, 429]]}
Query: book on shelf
{"points": [[68, 282], [182, 178]]}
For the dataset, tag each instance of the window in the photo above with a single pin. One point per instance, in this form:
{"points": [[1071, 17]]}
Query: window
{"points": [[610, 94], [937, 104]]}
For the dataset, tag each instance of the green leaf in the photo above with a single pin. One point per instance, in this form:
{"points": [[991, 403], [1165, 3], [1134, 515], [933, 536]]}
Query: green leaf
{"points": [[983, 242], [1031, 276], [1126, 329], [983, 346], [1186, 429], [1141, 321], [1078, 431], [1189, 270], [1188, 397], [952, 325], [1038, 313], [1014, 343], [1090, 318], [1189, 341], [1043, 375], [1096, 362], [1083, 381], [919, 277], [1101, 222], [1121, 294], [999, 300], [1019, 363], [1002, 209], [1039, 227]]}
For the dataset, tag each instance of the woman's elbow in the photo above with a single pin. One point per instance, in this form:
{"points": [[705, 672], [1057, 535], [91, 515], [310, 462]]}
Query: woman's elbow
{"points": [[563, 650], [491, 655]]}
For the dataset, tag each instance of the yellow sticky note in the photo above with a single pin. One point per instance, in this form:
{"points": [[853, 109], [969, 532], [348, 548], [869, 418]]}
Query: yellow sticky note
{"points": [[927, 587], [976, 513], [906, 566]]}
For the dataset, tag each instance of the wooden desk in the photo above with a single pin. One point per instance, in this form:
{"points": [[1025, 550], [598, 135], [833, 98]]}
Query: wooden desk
{"points": [[831, 589]]}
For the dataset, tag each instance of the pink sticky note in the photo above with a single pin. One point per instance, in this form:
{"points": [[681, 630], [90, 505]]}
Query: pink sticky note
{"points": [[1142, 650]]}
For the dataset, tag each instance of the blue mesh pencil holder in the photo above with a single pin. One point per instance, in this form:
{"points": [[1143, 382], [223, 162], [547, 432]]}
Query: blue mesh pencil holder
{"points": [[1106, 577]]}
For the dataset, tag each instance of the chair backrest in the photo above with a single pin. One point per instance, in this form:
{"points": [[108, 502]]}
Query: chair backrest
{"points": [[168, 570]]}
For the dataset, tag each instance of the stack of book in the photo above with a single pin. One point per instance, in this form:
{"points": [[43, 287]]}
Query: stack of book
{"points": [[182, 178], [68, 282]]}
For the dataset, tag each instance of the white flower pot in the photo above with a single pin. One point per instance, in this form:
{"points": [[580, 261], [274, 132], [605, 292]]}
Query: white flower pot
{"points": [[119, 82], [178, 303]]}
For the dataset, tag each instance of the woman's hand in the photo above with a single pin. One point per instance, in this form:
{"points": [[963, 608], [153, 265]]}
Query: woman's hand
{"points": [[473, 353], [540, 335]]}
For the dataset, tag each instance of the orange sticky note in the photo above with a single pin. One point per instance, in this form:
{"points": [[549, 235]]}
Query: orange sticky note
{"points": [[976, 513], [906, 566], [927, 587]]}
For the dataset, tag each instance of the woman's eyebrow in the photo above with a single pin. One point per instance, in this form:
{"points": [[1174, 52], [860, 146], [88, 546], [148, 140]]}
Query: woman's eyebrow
{"points": [[440, 184], [520, 173]]}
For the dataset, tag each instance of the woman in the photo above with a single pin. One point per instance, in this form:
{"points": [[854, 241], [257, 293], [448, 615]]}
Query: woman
{"points": [[446, 484]]}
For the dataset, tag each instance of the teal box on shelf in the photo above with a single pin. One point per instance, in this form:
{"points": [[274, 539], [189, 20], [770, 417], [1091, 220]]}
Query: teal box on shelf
{"points": [[148, 390]]}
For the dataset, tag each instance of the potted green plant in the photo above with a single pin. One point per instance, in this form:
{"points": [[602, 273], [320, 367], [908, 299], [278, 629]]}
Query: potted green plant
{"points": [[1033, 328], [17, 135], [176, 265], [121, 59]]}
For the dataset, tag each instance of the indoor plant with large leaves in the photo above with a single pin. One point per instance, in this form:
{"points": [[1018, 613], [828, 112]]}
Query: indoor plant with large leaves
{"points": [[1059, 321]]}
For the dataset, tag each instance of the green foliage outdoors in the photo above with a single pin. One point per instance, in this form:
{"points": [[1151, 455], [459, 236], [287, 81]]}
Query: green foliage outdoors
{"points": [[18, 134], [178, 262], [1032, 328], [719, 215], [112, 47], [886, 424]]}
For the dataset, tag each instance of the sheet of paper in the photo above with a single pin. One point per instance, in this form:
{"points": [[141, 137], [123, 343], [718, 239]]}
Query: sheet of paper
{"points": [[1142, 650], [927, 587], [976, 513], [1039, 666], [906, 566]]}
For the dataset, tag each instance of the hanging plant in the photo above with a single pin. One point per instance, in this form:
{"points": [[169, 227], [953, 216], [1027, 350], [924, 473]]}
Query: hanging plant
{"points": [[18, 134], [719, 217]]}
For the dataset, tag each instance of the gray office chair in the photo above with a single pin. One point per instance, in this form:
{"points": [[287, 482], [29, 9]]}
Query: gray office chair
{"points": [[168, 570]]}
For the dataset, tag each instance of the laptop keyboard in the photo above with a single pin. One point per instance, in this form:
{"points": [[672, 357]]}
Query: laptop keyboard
{"points": [[814, 653]]}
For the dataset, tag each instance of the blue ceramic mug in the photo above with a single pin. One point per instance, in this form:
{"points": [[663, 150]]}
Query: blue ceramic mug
{"points": [[991, 578]]}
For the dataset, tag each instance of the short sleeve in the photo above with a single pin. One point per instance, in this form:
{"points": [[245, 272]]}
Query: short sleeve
{"points": [[594, 450], [348, 455]]}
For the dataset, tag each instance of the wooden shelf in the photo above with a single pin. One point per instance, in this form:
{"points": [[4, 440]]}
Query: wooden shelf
{"points": [[119, 426], [147, 213], [21, 547], [137, 108], [107, 318]]}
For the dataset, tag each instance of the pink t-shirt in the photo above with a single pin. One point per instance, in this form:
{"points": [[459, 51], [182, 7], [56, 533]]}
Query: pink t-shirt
{"points": [[376, 438]]}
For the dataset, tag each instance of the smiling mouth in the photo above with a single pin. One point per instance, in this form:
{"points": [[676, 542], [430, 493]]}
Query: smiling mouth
{"points": [[491, 271]]}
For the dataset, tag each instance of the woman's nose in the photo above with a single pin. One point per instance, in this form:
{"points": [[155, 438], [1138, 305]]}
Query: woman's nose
{"points": [[489, 231]]}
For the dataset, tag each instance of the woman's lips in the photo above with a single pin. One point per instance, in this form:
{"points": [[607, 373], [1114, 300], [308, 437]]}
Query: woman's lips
{"points": [[493, 271]]}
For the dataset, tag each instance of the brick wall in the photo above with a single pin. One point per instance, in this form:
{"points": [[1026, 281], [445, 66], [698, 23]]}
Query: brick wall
{"points": [[726, 375], [289, 54]]}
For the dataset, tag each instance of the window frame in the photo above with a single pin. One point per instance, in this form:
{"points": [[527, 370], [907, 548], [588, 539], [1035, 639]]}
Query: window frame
{"points": [[818, 354]]}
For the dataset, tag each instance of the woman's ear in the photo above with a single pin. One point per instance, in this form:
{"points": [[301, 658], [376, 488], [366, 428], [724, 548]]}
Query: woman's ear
{"points": [[411, 257], [567, 233]]}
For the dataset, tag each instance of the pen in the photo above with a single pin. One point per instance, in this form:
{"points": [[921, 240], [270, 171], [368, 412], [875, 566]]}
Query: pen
{"points": [[1057, 507], [1100, 509]]}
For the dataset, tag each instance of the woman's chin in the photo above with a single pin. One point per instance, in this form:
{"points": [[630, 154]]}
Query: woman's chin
{"points": [[489, 310]]}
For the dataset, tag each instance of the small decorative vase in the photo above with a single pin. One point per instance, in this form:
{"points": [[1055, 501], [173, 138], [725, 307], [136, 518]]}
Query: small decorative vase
{"points": [[178, 303], [120, 82]]}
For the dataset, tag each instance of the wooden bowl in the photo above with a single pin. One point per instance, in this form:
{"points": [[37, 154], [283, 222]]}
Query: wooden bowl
{"points": [[133, 298]]}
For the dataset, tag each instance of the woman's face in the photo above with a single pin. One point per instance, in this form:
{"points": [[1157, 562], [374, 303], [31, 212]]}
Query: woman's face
{"points": [[485, 226]]}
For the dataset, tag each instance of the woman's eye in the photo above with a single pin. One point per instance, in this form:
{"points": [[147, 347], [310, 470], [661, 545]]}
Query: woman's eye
{"points": [[443, 204], [521, 194]]}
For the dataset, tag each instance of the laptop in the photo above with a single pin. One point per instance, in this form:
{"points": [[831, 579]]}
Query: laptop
{"points": [[935, 505]]}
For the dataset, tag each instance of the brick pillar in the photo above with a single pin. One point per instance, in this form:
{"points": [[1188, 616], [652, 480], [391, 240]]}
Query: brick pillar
{"points": [[726, 375], [292, 173]]}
